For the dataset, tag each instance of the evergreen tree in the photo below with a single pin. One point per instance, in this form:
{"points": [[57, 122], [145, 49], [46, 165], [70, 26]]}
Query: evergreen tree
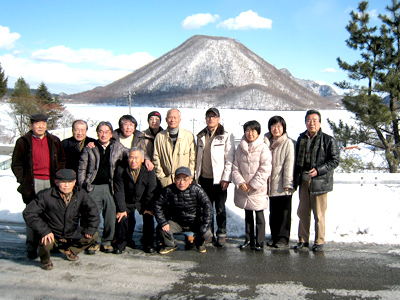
{"points": [[21, 88], [376, 124], [3, 82], [43, 94]]}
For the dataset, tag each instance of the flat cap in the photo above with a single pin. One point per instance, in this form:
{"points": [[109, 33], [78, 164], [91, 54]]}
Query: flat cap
{"points": [[66, 174], [38, 117], [183, 170]]}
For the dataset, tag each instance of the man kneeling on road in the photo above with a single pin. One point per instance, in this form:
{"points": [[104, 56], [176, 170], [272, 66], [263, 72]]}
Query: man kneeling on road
{"points": [[183, 206], [56, 214]]}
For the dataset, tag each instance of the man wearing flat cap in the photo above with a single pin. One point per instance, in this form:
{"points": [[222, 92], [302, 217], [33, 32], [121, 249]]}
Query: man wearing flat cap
{"points": [[37, 156], [183, 206], [215, 155], [63, 216]]}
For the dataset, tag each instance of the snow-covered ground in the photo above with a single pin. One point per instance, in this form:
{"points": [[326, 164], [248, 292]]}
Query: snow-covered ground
{"points": [[363, 211]]}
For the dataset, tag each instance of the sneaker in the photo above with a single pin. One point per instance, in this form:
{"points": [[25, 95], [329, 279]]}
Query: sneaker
{"points": [[189, 243], [201, 249], [107, 248], [92, 249], [166, 250], [318, 247], [221, 242], [47, 266]]}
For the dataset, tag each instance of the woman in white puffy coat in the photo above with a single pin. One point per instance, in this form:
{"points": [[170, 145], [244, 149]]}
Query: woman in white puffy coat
{"points": [[251, 169], [280, 182]]}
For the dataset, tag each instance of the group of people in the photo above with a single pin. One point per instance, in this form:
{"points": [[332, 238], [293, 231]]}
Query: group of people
{"points": [[167, 176]]}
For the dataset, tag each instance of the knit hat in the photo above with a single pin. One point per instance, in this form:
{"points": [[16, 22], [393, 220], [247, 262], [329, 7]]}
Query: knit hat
{"points": [[154, 113]]}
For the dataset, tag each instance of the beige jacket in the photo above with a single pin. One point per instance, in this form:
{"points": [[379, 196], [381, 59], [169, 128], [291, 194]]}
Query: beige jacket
{"points": [[167, 159], [282, 165], [252, 165]]}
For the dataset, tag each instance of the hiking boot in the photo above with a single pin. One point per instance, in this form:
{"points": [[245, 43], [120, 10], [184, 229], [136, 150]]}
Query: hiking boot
{"points": [[70, 256], [221, 242], [189, 243], [107, 249], [201, 249], [92, 249], [166, 250], [47, 266]]}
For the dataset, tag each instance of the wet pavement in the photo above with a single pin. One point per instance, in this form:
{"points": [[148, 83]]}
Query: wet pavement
{"points": [[342, 271]]}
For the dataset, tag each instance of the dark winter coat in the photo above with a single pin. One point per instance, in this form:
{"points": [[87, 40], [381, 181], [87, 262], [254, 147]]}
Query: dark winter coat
{"points": [[72, 153], [22, 163], [49, 214], [90, 161], [139, 194], [324, 158], [188, 208]]}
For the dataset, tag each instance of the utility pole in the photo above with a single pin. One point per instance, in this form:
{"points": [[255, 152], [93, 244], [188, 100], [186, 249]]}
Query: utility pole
{"points": [[130, 100], [193, 120]]}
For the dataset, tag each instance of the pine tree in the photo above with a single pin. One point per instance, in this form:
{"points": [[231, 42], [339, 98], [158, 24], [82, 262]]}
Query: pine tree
{"points": [[376, 124], [3, 82], [43, 94]]}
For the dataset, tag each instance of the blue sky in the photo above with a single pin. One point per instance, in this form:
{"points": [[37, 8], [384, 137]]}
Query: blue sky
{"points": [[74, 46]]}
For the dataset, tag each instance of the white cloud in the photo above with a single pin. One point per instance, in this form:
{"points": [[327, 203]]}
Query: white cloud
{"points": [[199, 20], [52, 66], [329, 70], [7, 39], [245, 21], [101, 57]]}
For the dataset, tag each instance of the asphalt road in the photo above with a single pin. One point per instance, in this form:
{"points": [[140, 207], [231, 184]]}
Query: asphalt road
{"points": [[342, 271]]}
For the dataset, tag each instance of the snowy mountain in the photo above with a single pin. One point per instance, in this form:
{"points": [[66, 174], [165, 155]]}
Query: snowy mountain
{"points": [[323, 90], [209, 71]]}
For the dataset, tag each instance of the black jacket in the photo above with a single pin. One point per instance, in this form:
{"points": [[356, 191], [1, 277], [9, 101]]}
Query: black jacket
{"points": [[139, 194], [48, 213], [188, 208], [325, 158], [22, 163], [72, 153]]}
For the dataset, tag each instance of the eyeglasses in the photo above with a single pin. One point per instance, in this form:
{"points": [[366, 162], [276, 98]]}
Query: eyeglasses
{"points": [[182, 179], [276, 127], [309, 121], [212, 117]]}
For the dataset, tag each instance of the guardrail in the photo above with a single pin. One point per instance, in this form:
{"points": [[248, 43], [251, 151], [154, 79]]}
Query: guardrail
{"points": [[367, 178]]}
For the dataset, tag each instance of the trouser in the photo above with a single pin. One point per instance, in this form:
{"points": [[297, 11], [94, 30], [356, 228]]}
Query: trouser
{"points": [[167, 237], [75, 246], [218, 198], [316, 203], [260, 227], [280, 212], [124, 230], [32, 238], [105, 203]]}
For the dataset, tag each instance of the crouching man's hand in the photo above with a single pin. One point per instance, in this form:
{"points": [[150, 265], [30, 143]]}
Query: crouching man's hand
{"points": [[48, 239]]}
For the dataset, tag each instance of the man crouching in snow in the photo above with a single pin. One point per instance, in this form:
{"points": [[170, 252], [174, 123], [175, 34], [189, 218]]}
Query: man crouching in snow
{"points": [[183, 206], [56, 214]]}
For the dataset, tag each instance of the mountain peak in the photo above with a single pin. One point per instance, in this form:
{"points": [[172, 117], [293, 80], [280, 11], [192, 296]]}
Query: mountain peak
{"points": [[209, 71]]}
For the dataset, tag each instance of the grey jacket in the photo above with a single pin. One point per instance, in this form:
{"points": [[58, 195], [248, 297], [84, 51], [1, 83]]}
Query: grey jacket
{"points": [[90, 160]]}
